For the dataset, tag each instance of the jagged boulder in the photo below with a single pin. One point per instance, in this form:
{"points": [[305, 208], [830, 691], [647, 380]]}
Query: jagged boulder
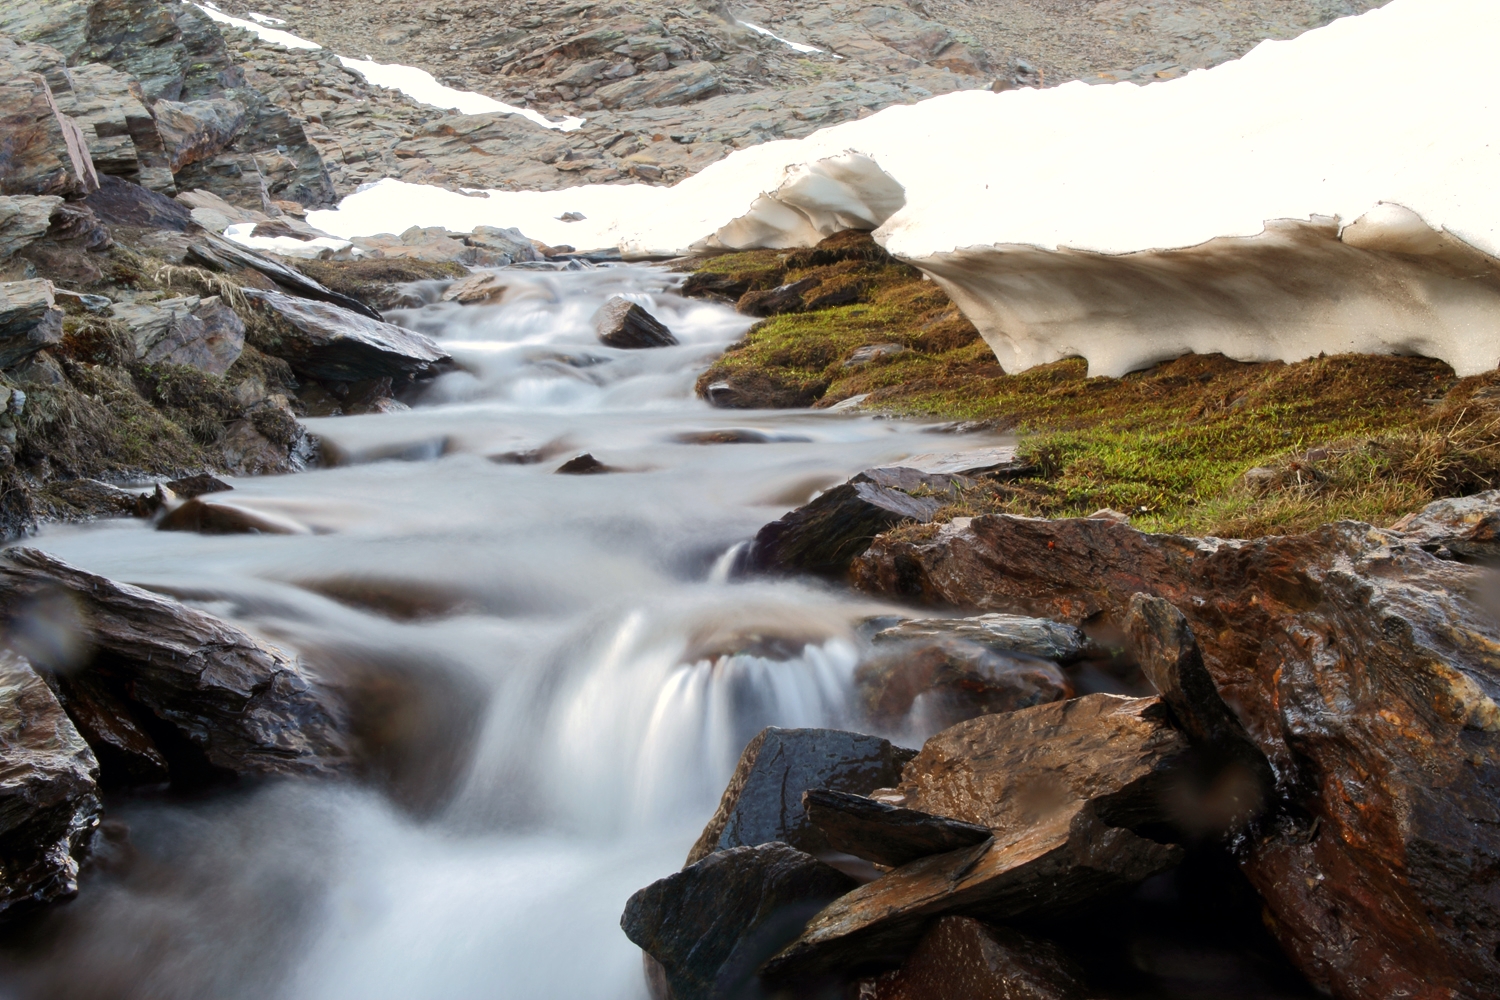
{"points": [[885, 833], [325, 341], [203, 333], [49, 796], [511, 244], [45, 152], [711, 925], [168, 687], [195, 130], [1359, 661], [24, 219], [29, 319], [622, 323], [763, 801], [1060, 786]]}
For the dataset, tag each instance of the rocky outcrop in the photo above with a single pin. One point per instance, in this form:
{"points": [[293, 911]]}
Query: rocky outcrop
{"points": [[1060, 786], [118, 127], [29, 319], [45, 151], [325, 341], [1358, 661], [49, 797], [763, 801], [711, 925], [152, 682], [679, 85], [961, 957], [622, 323], [826, 535], [196, 130], [24, 219]]}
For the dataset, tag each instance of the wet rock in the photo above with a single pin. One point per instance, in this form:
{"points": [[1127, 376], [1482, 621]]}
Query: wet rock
{"points": [[219, 254], [202, 333], [583, 465], [884, 833], [120, 202], [775, 301], [1462, 528], [733, 435], [49, 797], [756, 391], [195, 130], [189, 487], [212, 517], [267, 440], [622, 323], [29, 319], [213, 698], [325, 341], [24, 219], [117, 732], [707, 284], [1040, 637], [711, 925], [1360, 665], [826, 535], [1059, 785], [961, 957], [933, 684], [45, 151], [763, 801], [484, 288], [675, 86], [90, 498]]}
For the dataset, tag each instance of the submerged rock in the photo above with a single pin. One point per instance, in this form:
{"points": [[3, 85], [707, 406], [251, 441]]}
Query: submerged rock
{"points": [[885, 833], [325, 341], [208, 517], [1360, 664], [1060, 787], [622, 323], [963, 958], [29, 319], [763, 801], [711, 925], [202, 694], [49, 798]]}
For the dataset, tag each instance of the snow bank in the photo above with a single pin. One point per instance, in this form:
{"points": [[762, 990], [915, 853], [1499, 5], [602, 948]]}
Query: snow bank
{"points": [[767, 32], [1059, 219], [285, 39]]}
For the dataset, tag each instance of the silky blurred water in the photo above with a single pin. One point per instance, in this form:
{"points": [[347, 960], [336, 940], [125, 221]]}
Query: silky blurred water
{"points": [[587, 685]]}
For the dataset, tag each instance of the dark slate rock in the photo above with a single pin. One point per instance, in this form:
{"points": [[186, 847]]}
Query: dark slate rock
{"points": [[884, 833], [763, 801], [219, 254], [324, 341], [124, 203], [622, 323], [959, 957], [711, 925], [775, 301]]}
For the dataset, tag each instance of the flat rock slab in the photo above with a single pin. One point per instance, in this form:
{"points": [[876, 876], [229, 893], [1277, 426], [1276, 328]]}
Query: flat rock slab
{"points": [[325, 341], [711, 925], [1058, 785], [1040, 637], [884, 833], [229, 701], [964, 463], [622, 323], [122, 203], [1362, 665], [49, 796], [219, 254], [963, 959], [763, 801]]}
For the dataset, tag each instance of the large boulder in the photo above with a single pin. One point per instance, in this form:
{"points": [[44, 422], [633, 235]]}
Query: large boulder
{"points": [[622, 323], [711, 925], [325, 341], [24, 219], [763, 801], [195, 130], [1359, 661], [168, 683], [49, 796], [823, 537], [29, 319], [45, 152], [962, 958], [203, 333], [122, 202], [1061, 787]]}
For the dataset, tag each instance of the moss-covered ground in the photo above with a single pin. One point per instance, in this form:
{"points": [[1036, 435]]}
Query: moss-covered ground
{"points": [[1352, 436]]}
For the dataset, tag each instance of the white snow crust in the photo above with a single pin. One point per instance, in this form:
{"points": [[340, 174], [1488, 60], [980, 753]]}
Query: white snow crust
{"points": [[1129, 224], [286, 246], [283, 38], [796, 46]]}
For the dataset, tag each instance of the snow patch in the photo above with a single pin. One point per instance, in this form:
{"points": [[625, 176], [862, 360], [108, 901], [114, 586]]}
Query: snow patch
{"points": [[265, 19], [798, 46], [286, 246], [419, 85], [285, 39]]}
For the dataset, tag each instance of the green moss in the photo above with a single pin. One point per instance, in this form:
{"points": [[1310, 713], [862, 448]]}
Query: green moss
{"points": [[1169, 446]]}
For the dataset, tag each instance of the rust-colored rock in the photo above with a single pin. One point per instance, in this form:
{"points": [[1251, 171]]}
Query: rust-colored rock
{"points": [[44, 152], [963, 959], [1059, 785], [1362, 665]]}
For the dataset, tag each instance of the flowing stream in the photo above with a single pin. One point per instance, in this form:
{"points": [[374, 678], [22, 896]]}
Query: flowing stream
{"points": [[571, 673]]}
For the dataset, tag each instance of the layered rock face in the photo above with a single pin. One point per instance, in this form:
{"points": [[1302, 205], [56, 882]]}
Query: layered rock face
{"points": [[1360, 664]]}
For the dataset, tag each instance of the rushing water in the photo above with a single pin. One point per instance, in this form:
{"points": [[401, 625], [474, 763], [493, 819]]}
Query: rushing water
{"points": [[578, 691]]}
